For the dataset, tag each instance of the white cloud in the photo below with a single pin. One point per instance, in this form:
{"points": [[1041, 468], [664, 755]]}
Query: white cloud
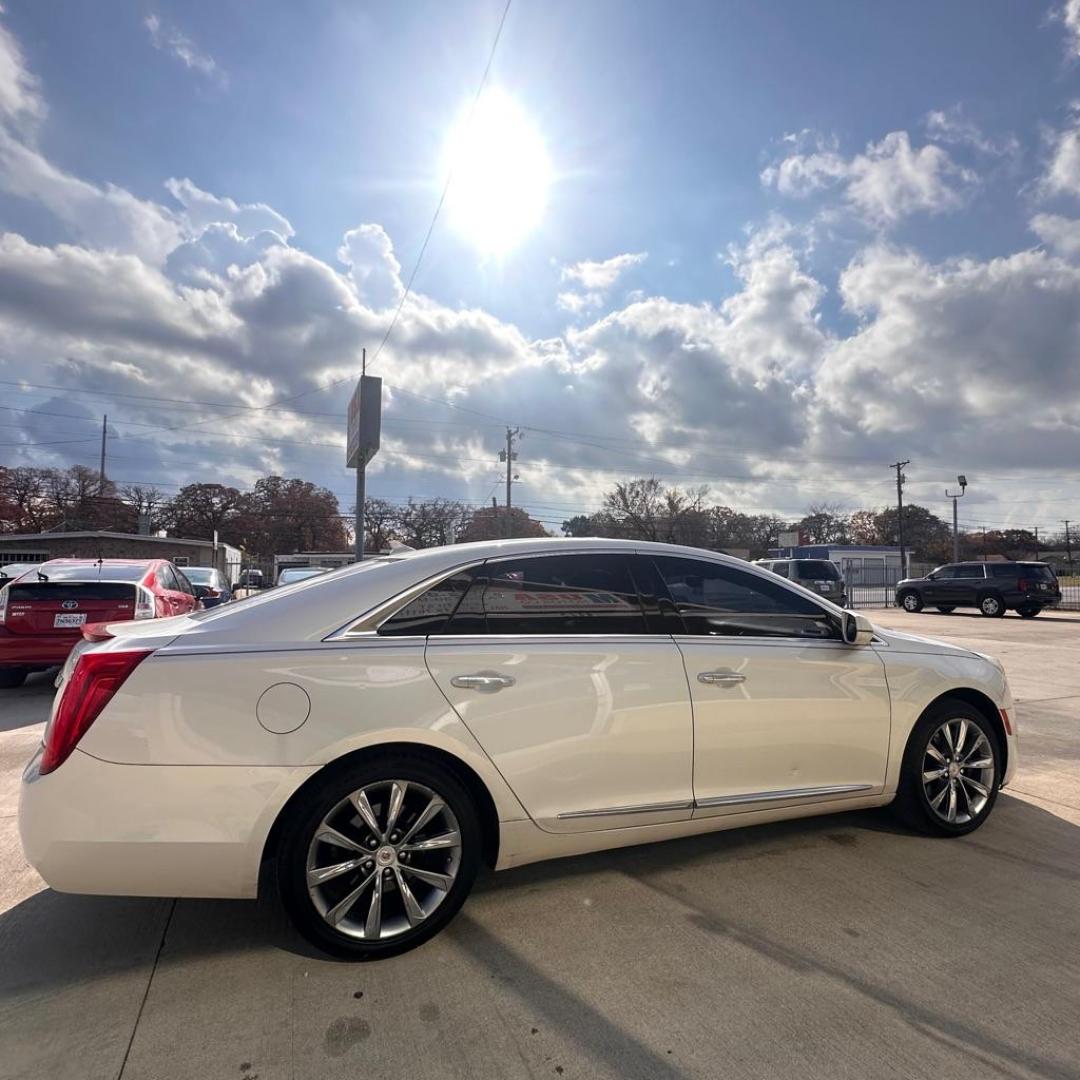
{"points": [[1062, 175], [202, 209], [1069, 14], [373, 267], [951, 126], [1058, 232], [888, 182], [168, 38], [102, 216], [595, 279], [602, 275], [19, 92]]}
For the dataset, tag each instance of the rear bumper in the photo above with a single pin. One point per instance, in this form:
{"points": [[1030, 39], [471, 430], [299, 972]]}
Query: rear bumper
{"points": [[151, 830], [35, 650]]}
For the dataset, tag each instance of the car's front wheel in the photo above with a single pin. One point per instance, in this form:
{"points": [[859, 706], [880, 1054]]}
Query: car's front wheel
{"points": [[11, 677], [380, 857], [951, 770], [911, 601]]}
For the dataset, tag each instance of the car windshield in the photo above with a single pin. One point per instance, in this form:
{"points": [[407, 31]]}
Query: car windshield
{"points": [[198, 575], [816, 570], [93, 571]]}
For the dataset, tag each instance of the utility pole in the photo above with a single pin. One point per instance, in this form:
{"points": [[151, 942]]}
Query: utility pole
{"points": [[1068, 546], [899, 467], [509, 455], [361, 485], [962, 481], [1036, 541], [101, 470]]}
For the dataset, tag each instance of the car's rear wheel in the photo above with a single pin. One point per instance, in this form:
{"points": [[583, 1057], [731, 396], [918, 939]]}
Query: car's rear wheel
{"points": [[946, 610], [380, 857], [1028, 611], [11, 677], [911, 601], [991, 605], [951, 770]]}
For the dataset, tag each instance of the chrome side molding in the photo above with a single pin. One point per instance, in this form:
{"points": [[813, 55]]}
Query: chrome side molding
{"points": [[780, 796], [646, 808]]}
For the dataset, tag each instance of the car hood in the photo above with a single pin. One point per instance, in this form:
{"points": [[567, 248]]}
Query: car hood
{"points": [[916, 643]]}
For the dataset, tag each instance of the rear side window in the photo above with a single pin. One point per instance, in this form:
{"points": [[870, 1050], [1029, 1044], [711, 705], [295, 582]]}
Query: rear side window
{"points": [[1034, 572], [971, 570], [429, 612], [1005, 571], [816, 570], [551, 594], [718, 600], [781, 568]]}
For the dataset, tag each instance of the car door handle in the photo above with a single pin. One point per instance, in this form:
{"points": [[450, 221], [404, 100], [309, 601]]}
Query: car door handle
{"points": [[721, 678], [484, 681]]}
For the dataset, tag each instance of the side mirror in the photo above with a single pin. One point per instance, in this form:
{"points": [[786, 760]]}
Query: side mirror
{"points": [[857, 629]]}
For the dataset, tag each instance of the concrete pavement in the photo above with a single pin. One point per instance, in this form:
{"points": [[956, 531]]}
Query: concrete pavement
{"points": [[833, 947]]}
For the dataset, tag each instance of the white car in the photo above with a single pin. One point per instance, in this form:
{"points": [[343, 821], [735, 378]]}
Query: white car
{"points": [[375, 734]]}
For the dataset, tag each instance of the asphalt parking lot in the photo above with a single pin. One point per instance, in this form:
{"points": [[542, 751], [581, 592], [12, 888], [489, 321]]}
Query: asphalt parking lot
{"points": [[832, 947]]}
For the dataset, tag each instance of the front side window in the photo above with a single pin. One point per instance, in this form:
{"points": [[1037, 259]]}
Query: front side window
{"points": [[946, 573], [718, 600]]}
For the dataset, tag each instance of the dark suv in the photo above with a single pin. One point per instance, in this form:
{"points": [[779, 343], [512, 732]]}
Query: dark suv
{"points": [[992, 587]]}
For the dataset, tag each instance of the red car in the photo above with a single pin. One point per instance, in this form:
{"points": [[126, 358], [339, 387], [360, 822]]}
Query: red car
{"points": [[43, 611]]}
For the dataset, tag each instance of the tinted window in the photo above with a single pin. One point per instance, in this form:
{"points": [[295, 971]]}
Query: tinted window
{"points": [[91, 571], [946, 573], [182, 582], [1034, 572], [557, 594], [970, 570], [781, 568], [816, 570], [429, 612], [199, 575], [166, 579], [722, 600]]}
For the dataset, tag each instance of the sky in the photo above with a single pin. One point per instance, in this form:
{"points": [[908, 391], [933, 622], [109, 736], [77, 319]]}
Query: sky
{"points": [[770, 248]]}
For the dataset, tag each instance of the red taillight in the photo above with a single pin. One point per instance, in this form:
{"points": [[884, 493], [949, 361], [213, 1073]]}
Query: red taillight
{"points": [[1024, 584], [97, 676]]}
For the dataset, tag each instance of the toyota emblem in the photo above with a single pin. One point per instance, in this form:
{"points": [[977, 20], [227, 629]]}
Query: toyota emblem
{"points": [[70, 605]]}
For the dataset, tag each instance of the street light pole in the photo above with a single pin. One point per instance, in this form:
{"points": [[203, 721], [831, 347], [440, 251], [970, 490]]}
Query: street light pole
{"points": [[962, 481]]}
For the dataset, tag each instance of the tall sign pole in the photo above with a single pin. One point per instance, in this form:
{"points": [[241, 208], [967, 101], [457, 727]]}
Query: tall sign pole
{"points": [[962, 481], [362, 440]]}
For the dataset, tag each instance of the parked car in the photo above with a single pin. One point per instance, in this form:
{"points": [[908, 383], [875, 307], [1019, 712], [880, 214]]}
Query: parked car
{"points": [[210, 585], [817, 575], [44, 611], [992, 587], [298, 573], [370, 738]]}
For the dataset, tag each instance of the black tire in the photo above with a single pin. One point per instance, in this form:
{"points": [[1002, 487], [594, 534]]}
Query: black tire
{"points": [[992, 605], [946, 610], [11, 677], [298, 838], [910, 601], [1028, 612], [913, 803]]}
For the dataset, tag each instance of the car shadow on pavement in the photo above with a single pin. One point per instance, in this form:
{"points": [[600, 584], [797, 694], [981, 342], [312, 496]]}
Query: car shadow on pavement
{"points": [[52, 940]]}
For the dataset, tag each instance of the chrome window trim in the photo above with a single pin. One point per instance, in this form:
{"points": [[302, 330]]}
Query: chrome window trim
{"points": [[368, 624], [780, 796], [643, 808]]}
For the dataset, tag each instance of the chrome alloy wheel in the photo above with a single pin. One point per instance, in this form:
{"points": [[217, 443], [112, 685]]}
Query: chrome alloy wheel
{"points": [[958, 771], [910, 602], [383, 859]]}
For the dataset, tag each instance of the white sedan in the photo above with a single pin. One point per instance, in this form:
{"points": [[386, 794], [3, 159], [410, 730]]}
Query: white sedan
{"points": [[375, 734]]}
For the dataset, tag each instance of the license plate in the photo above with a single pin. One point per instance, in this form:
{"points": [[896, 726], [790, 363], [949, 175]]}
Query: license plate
{"points": [[824, 588], [68, 620], [1043, 586]]}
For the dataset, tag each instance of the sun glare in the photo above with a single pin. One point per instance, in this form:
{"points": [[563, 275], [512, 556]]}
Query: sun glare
{"points": [[501, 175]]}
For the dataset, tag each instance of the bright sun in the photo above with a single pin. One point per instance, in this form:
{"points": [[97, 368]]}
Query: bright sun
{"points": [[501, 174]]}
